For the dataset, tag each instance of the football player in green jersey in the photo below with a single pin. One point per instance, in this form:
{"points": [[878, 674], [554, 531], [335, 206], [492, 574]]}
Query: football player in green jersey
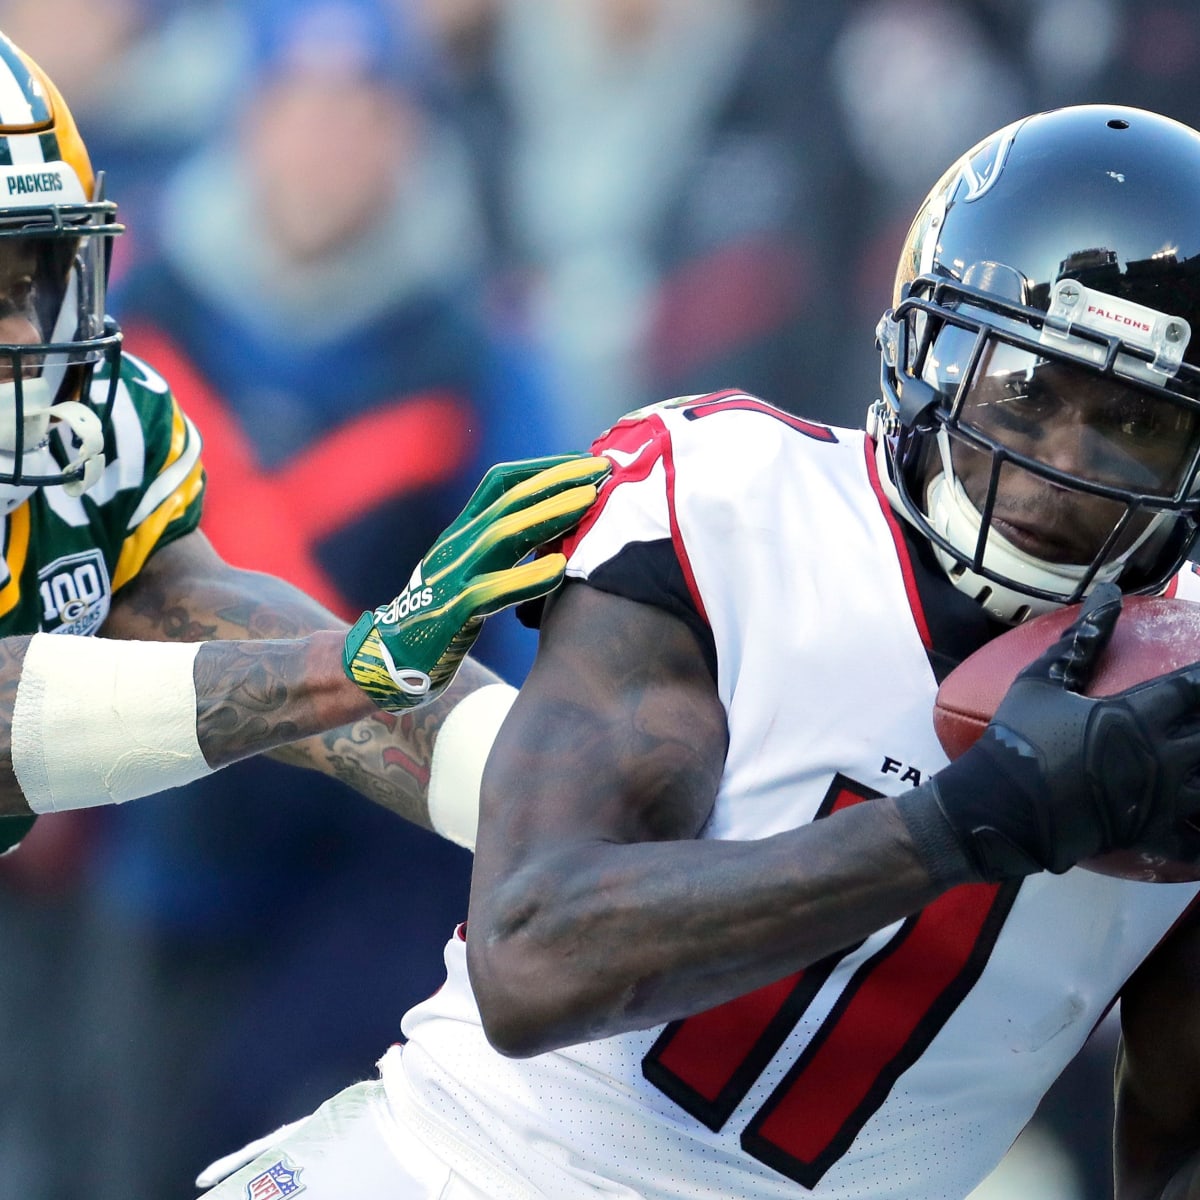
{"points": [[175, 663]]}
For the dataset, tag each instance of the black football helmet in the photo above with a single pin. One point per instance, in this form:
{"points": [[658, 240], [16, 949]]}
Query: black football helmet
{"points": [[1040, 411], [56, 235]]}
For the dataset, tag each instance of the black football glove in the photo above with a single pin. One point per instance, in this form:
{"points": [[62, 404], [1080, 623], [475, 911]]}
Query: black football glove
{"points": [[1057, 776]]}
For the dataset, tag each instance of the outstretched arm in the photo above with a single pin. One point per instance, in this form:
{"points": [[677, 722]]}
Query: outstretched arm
{"points": [[273, 674], [277, 672]]}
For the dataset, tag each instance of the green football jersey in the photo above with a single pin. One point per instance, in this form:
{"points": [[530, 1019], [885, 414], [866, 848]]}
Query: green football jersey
{"points": [[64, 557]]}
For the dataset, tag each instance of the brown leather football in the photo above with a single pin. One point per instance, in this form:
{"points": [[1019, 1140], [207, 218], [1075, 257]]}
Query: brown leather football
{"points": [[1153, 636]]}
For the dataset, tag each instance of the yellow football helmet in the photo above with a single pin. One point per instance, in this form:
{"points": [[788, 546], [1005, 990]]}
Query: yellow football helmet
{"points": [[59, 350]]}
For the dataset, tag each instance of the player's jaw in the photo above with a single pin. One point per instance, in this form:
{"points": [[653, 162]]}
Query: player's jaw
{"points": [[1048, 521]]}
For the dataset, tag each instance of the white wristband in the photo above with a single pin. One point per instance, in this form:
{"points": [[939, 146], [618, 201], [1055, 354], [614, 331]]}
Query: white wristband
{"points": [[459, 756], [98, 721]]}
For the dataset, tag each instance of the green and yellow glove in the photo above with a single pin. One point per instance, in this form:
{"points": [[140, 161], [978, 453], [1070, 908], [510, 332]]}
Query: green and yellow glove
{"points": [[407, 652]]}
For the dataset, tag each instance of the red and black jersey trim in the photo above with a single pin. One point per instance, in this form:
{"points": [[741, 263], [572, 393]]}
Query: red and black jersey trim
{"points": [[738, 401], [952, 626], [957, 625]]}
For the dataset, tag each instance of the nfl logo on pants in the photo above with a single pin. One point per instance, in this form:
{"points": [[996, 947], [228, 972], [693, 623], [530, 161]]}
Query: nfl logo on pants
{"points": [[278, 1180]]}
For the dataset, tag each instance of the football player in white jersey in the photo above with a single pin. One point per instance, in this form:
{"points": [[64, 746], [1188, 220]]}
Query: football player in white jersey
{"points": [[196, 663], [737, 928]]}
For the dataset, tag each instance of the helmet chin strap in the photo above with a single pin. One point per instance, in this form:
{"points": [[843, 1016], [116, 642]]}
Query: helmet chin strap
{"points": [[79, 426], [87, 430]]}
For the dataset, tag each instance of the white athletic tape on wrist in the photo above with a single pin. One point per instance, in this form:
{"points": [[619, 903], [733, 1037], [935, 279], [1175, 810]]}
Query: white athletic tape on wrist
{"points": [[459, 756], [98, 721]]}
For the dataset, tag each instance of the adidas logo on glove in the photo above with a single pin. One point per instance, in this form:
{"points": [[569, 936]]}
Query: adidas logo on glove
{"points": [[407, 652], [414, 598], [409, 602]]}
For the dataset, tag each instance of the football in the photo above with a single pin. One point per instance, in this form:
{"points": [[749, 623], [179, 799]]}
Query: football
{"points": [[1153, 636]]}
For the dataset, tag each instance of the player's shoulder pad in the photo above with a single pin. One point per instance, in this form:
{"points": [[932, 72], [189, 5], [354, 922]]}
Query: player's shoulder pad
{"points": [[150, 436], [164, 423], [714, 449], [145, 384], [723, 425], [684, 411]]}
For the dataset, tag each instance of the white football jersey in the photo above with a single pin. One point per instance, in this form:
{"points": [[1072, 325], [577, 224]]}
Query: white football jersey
{"points": [[904, 1066]]}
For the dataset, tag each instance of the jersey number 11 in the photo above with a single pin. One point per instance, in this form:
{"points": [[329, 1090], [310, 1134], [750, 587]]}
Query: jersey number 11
{"points": [[888, 1012]]}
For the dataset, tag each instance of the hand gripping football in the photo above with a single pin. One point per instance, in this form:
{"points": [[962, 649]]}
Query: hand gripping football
{"points": [[1153, 636]]}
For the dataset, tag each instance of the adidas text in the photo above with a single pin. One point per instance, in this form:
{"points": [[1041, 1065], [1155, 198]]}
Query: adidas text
{"points": [[410, 602]]}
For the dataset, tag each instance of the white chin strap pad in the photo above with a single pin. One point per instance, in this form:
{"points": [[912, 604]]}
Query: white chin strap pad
{"points": [[89, 432], [81, 425], [98, 721]]}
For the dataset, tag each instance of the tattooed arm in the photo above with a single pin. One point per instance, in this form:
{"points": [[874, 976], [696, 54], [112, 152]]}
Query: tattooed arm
{"points": [[269, 677], [273, 674]]}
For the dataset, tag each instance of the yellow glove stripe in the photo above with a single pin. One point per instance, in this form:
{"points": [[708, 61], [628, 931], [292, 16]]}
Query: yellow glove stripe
{"points": [[475, 569], [580, 470], [565, 506], [515, 584], [445, 668], [511, 586], [579, 485]]}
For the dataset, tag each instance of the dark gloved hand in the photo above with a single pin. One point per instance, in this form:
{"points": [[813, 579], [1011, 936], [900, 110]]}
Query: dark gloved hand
{"points": [[1058, 776]]}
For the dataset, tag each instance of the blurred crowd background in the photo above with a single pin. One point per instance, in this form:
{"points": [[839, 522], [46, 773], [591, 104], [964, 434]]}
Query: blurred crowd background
{"points": [[376, 245]]}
